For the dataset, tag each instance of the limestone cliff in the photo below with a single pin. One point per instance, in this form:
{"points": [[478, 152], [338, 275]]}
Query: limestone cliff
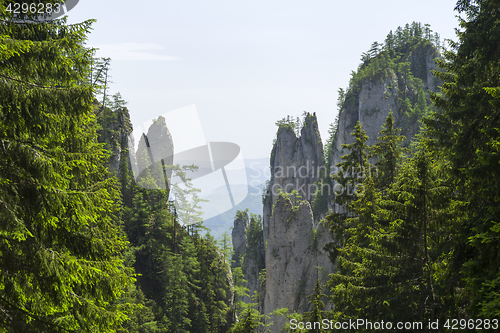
{"points": [[155, 151], [248, 245], [114, 133], [295, 164], [394, 86], [293, 240], [292, 255], [397, 78], [295, 258]]}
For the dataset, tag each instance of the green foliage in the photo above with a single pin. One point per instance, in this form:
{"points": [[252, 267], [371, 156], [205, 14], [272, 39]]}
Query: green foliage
{"points": [[289, 123], [468, 135], [388, 152], [249, 322], [352, 171], [226, 247], [187, 201], [185, 278], [400, 65], [61, 267], [316, 315], [141, 316], [394, 251], [353, 167], [420, 242]]}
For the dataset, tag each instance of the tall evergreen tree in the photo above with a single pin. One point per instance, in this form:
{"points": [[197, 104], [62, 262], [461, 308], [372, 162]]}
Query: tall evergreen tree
{"points": [[388, 267], [467, 131], [353, 167], [60, 262], [388, 153], [352, 170], [317, 314]]}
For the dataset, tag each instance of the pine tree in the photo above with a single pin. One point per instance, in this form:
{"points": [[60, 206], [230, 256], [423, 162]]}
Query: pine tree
{"points": [[388, 152], [353, 167], [467, 132], [248, 323], [60, 262], [388, 266], [316, 315], [352, 170]]}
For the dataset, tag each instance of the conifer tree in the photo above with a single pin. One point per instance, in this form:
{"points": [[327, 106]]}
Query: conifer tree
{"points": [[389, 42], [248, 323], [388, 267], [388, 153], [349, 290], [60, 262], [316, 315], [467, 132], [352, 171], [353, 167]]}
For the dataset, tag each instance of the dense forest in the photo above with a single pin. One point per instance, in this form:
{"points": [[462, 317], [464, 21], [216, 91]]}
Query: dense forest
{"points": [[418, 239], [84, 247]]}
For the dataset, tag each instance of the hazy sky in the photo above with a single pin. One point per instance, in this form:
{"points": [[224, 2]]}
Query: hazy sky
{"points": [[244, 64]]}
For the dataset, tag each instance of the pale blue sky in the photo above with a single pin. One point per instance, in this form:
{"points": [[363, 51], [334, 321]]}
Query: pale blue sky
{"points": [[244, 64]]}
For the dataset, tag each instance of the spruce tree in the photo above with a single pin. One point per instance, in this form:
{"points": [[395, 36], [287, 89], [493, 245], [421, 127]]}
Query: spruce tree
{"points": [[349, 290], [60, 262], [317, 314], [388, 267], [388, 153], [352, 170], [467, 132], [408, 254], [248, 323], [353, 167]]}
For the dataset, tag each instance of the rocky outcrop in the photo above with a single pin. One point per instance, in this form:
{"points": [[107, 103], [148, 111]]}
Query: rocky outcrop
{"points": [[295, 164], [114, 132], [293, 240], [290, 258], [379, 95], [239, 237], [293, 236], [155, 151], [248, 245]]}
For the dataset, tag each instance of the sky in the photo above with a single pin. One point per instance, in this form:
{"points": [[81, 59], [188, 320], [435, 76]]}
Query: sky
{"points": [[243, 65]]}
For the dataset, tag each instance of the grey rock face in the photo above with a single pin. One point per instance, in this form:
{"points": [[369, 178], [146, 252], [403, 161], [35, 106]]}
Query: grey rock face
{"points": [[377, 98], [290, 259], [239, 236], [295, 164], [116, 128], [155, 150], [294, 241], [248, 253]]}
